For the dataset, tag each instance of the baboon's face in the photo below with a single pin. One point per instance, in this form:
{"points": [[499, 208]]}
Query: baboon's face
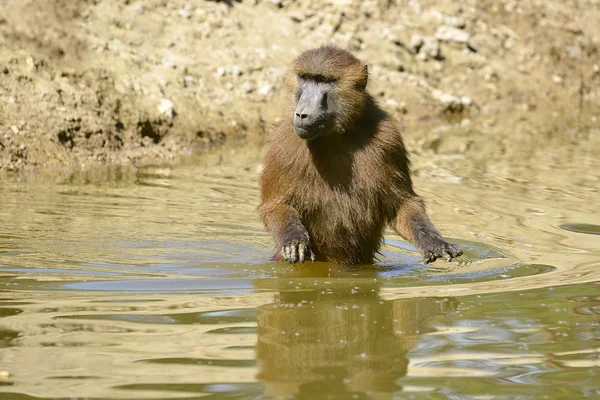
{"points": [[315, 111]]}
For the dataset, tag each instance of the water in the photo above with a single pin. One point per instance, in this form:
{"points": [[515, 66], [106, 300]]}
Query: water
{"points": [[155, 283]]}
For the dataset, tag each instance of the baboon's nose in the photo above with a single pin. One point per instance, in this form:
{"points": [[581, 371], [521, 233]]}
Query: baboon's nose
{"points": [[304, 115]]}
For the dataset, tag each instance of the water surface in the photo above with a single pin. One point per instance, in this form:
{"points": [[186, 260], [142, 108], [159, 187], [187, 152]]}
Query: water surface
{"points": [[155, 282]]}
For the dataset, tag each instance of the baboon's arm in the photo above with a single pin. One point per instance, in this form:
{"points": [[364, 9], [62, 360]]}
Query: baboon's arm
{"points": [[413, 224], [283, 221]]}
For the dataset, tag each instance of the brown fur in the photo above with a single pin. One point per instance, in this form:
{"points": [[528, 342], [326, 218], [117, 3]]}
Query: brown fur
{"points": [[339, 191]]}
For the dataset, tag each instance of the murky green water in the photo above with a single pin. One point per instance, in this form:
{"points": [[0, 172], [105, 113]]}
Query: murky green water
{"points": [[152, 283]]}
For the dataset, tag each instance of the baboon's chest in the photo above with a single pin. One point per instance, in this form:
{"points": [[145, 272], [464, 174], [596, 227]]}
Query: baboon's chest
{"points": [[338, 206]]}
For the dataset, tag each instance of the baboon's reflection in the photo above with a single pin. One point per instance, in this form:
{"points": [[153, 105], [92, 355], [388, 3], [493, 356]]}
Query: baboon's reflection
{"points": [[339, 338]]}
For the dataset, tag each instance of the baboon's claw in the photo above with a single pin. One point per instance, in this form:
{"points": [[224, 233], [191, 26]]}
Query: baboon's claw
{"points": [[441, 249], [297, 250]]}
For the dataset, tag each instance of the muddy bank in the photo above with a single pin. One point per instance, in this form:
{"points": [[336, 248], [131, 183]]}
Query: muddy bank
{"points": [[85, 82]]}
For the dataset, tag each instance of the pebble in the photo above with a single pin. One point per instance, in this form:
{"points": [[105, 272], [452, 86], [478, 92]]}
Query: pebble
{"points": [[452, 34], [265, 89], [30, 63], [166, 106], [236, 71], [296, 16], [415, 43], [429, 49], [574, 52], [247, 87]]}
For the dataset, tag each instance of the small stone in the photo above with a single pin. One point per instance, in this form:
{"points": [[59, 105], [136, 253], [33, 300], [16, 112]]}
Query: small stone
{"points": [[166, 106], [415, 43], [430, 49], [557, 79], [14, 128], [169, 63], [30, 63], [247, 87], [188, 80], [185, 12], [451, 34], [445, 98], [21, 147], [466, 101], [265, 89], [391, 103], [574, 52], [236, 71], [296, 16], [221, 71]]}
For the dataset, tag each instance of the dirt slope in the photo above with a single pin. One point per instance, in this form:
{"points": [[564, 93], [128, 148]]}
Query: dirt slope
{"points": [[118, 81]]}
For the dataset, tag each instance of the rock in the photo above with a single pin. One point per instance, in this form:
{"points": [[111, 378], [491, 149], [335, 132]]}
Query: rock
{"points": [[430, 49], [30, 63], [247, 87], [166, 107], [168, 62], [297, 16], [415, 43], [264, 90], [188, 80], [451, 102], [447, 20], [236, 71], [450, 34], [509, 44], [445, 98], [574, 52]]}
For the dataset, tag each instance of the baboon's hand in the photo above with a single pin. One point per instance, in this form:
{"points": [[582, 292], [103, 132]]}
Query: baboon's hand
{"points": [[440, 248], [297, 250]]}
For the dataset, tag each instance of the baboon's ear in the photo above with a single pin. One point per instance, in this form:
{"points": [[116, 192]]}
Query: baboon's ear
{"points": [[364, 77]]}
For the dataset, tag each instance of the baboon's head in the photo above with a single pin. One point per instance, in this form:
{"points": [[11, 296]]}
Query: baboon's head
{"points": [[329, 86]]}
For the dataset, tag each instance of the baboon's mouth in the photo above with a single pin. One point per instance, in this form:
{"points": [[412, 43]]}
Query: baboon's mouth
{"points": [[307, 133], [312, 131]]}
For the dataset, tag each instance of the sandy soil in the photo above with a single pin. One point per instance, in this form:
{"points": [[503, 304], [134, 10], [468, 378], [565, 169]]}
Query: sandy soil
{"points": [[130, 81]]}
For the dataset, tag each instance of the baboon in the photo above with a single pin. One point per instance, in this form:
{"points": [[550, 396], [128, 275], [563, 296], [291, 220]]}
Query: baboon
{"points": [[336, 171]]}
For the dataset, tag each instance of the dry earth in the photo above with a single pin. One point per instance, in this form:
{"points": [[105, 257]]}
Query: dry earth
{"points": [[146, 81]]}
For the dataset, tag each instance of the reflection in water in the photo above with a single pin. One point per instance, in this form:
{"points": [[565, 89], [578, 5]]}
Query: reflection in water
{"points": [[339, 340]]}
